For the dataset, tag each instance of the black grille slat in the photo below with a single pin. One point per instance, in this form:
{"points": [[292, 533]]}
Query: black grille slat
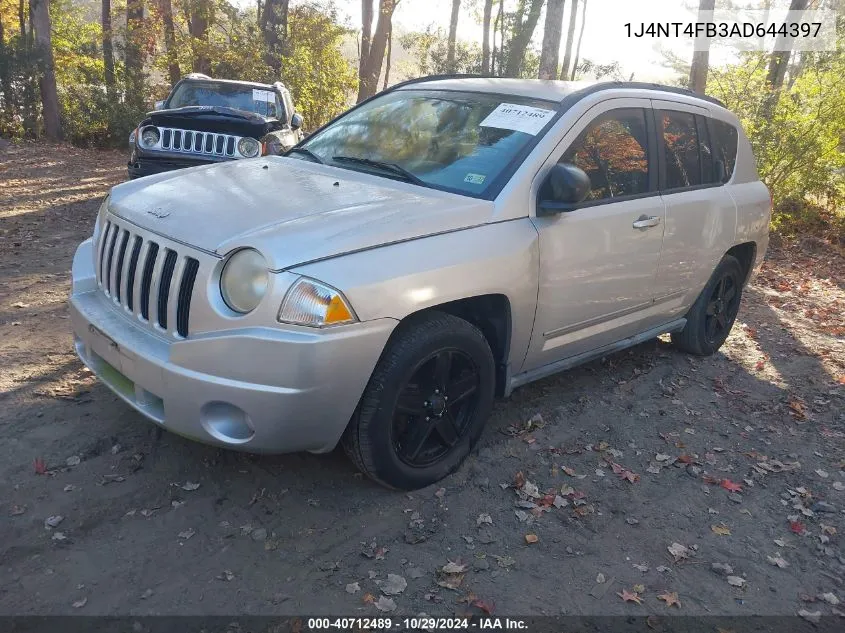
{"points": [[110, 257], [198, 137], [166, 137], [177, 139], [218, 145], [130, 274], [186, 291], [164, 286], [209, 143], [121, 253], [147, 278], [230, 146]]}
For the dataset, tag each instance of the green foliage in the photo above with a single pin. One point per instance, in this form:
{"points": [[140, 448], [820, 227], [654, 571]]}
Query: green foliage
{"points": [[431, 49], [796, 134]]}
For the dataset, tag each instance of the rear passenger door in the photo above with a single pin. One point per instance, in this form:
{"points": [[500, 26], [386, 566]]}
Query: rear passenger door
{"points": [[700, 213]]}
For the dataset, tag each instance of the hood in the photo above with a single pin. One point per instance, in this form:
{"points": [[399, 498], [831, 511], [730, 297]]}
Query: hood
{"points": [[293, 211], [211, 119]]}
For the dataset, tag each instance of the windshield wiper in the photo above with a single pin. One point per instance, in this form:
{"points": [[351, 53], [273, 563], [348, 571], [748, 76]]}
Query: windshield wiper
{"points": [[395, 169], [306, 152]]}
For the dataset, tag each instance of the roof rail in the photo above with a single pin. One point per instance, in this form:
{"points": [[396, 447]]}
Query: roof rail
{"points": [[196, 76], [641, 85]]}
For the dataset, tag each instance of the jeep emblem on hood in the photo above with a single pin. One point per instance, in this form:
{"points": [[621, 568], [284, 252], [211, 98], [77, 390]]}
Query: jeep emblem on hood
{"points": [[158, 213]]}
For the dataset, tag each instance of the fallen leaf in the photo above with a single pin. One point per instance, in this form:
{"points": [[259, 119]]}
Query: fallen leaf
{"points": [[367, 598], [394, 585], [678, 551], [721, 530], [482, 519], [53, 521], [638, 588], [839, 486], [226, 575], [831, 598], [600, 578], [810, 616], [487, 606], [80, 603], [453, 567], [504, 561], [189, 486], [671, 599], [629, 596], [731, 486], [778, 561], [17, 510], [569, 471], [531, 538], [40, 466], [519, 480], [187, 534], [642, 568], [73, 460], [385, 604], [736, 581], [797, 527], [353, 587]]}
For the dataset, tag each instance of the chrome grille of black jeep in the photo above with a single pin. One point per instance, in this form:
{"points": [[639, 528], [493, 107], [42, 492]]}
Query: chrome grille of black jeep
{"points": [[195, 142], [155, 283]]}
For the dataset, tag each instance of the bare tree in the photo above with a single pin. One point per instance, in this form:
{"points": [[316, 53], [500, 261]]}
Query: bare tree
{"points": [[39, 14], [366, 36], [570, 40], [701, 58], [485, 40], [779, 60], [550, 52], [523, 32], [173, 71], [274, 28], [368, 83], [388, 57], [453, 34], [134, 53], [108, 47], [580, 37], [201, 16]]}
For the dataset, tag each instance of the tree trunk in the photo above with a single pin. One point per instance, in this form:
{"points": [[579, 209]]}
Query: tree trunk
{"points": [[366, 37], [453, 34], [369, 81], [201, 17], [134, 56], [173, 71], [108, 47], [387, 60], [9, 101], [799, 62], [274, 27], [701, 59], [570, 40], [485, 39], [523, 32], [780, 58], [550, 52], [501, 17], [580, 37], [39, 11]]}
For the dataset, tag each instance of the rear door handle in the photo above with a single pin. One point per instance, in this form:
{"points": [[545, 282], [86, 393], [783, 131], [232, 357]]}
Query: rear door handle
{"points": [[646, 221]]}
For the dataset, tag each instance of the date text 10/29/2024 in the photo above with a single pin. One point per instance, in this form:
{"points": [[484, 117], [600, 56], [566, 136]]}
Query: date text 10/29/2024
{"points": [[417, 623]]}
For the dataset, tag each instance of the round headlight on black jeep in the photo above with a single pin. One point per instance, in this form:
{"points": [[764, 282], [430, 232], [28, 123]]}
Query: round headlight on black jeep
{"points": [[150, 137], [249, 147]]}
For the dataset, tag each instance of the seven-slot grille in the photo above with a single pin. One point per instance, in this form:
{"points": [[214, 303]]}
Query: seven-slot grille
{"points": [[148, 280], [194, 142]]}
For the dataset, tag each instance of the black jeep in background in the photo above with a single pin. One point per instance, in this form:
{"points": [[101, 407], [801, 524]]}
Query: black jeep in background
{"points": [[205, 120]]}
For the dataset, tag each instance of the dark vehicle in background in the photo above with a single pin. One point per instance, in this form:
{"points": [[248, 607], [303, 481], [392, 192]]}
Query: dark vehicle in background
{"points": [[205, 120]]}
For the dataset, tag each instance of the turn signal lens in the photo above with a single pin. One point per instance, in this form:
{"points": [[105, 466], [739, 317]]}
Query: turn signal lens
{"points": [[311, 303]]}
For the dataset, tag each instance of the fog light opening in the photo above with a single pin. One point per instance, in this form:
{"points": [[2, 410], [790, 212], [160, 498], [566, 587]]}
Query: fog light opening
{"points": [[226, 422]]}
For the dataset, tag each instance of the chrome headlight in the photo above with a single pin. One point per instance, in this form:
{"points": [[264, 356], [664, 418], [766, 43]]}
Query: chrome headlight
{"points": [[150, 137], [244, 280], [249, 147], [315, 304]]}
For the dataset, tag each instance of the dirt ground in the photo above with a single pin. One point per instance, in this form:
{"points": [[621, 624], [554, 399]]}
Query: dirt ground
{"points": [[646, 474]]}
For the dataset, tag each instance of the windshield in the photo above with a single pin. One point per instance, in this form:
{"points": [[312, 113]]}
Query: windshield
{"points": [[457, 141], [238, 97]]}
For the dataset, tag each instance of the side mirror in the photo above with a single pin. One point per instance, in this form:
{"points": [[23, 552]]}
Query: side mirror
{"points": [[564, 187], [296, 121], [159, 105]]}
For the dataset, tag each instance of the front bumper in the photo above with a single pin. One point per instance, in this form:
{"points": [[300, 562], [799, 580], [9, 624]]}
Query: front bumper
{"points": [[303, 384], [141, 167]]}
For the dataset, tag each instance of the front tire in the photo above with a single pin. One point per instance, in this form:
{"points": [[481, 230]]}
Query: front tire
{"points": [[426, 403], [711, 317]]}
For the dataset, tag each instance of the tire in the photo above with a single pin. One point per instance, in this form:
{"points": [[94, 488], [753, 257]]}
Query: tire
{"points": [[390, 423], [700, 336]]}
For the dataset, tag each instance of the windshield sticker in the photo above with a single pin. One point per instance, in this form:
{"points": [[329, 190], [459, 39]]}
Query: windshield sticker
{"points": [[263, 95], [475, 179], [520, 118]]}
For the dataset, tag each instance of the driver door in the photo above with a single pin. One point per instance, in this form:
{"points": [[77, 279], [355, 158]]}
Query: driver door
{"points": [[598, 262]]}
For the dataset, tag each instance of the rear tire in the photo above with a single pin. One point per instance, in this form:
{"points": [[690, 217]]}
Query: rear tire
{"points": [[426, 403], [711, 317]]}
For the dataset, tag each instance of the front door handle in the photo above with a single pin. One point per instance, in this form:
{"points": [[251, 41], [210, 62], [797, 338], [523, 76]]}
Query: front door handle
{"points": [[646, 221]]}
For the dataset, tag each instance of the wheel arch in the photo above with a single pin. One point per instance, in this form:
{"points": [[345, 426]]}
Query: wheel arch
{"points": [[746, 253]]}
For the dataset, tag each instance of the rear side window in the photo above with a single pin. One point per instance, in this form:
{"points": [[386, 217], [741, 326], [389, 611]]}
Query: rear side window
{"points": [[681, 150], [708, 172], [724, 145], [613, 151]]}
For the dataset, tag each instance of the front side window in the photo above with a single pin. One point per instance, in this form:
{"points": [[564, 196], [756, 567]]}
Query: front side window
{"points": [[724, 145], [456, 141], [226, 95], [680, 143], [613, 151]]}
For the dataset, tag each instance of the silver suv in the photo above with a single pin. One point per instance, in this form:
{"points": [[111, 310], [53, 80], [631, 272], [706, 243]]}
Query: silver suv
{"points": [[438, 245]]}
